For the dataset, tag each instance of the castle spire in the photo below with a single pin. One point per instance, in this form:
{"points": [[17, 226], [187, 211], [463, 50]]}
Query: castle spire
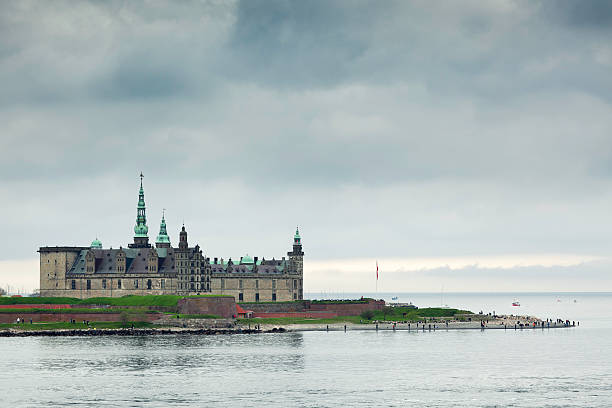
{"points": [[297, 240], [163, 240], [141, 239]]}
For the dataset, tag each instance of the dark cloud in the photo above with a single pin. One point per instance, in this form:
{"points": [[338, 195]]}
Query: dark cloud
{"points": [[593, 14], [395, 129]]}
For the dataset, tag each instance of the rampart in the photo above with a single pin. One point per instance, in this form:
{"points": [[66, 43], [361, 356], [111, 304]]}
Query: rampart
{"points": [[309, 308], [223, 306], [79, 317]]}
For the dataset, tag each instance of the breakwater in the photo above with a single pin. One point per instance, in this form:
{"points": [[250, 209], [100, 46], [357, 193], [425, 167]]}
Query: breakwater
{"points": [[132, 332]]}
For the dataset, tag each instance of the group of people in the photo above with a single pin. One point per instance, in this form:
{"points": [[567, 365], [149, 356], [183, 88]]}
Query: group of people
{"points": [[21, 320]]}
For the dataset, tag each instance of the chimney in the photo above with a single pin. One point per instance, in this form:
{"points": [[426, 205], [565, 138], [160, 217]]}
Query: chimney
{"points": [[215, 261], [255, 260]]}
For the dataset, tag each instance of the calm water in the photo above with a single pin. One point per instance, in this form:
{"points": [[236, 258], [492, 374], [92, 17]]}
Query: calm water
{"points": [[543, 368]]}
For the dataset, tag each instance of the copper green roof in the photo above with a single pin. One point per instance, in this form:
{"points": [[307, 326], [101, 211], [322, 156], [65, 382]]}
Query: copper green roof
{"points": [[297, 237], [96, 243], [163, 237], [246, 260], [141, 229]]}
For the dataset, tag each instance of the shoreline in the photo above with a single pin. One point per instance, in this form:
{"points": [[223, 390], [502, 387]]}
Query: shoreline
{"points": [[276, 328]]}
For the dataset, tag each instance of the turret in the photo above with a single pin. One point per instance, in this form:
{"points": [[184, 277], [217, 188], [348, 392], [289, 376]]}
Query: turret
{"points": [[296, 257], [96, 244], [163, 240], [141, 238], [183, 239]]}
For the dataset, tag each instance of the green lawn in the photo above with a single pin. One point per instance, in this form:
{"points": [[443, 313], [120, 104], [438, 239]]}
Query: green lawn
{"points": [[74, 310], [410, 314], [130, 300], [394, 314], [65, 325]]}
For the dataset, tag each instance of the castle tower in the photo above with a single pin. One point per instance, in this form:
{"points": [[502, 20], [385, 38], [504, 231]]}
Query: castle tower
{"points": [[183, 239], [163, 240], [296, 257], [141, 239]]}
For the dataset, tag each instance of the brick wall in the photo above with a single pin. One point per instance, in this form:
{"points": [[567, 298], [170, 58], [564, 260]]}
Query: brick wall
{"points": [[314, 315], [221, 306], [79, 317], [306, 306]]}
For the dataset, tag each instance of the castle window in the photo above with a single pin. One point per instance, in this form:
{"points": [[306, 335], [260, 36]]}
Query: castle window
{"points": [[257, 297], [192, 286], [240, 297], [222, 283], [103, 283], [149, 284], [163, 284], [256, 284], [88, 284], [273, 283], [240, 284], [295, 296], [295, 284], [119, 284], [274, 296], [136, 283], [73, 284]]}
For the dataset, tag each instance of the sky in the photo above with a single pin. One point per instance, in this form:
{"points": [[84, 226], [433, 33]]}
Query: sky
{"points": [[462, 145]]}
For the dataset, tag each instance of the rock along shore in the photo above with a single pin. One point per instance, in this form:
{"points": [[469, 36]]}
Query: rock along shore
{"points": [[131, 332]]}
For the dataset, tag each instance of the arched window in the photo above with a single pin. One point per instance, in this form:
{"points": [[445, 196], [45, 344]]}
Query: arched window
{"points": [[149, 284]]}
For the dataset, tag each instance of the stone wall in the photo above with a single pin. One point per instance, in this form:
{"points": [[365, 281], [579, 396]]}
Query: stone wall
{"points": [[299, 306], [309, 315], [79, 317], [224, 306], [338, 308], [348, 309]]}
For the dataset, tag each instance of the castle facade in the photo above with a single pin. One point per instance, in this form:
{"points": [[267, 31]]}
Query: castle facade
{"points": [[144, 269]]}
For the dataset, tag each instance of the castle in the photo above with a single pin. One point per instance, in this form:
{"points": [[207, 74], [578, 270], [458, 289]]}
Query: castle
{"points": [[143, 269]]}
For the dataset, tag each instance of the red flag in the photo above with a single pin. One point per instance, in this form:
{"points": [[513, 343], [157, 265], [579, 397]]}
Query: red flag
{"points": [[376, 270]]}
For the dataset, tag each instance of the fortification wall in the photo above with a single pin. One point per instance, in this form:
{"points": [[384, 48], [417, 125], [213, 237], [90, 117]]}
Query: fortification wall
{"points": [[299, 306], [79, 317], [348, 309], [221, 306], [308, 315], [306, 306]]}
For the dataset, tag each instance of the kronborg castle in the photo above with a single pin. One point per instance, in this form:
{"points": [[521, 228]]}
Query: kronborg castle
{"points": [[141, 269]]}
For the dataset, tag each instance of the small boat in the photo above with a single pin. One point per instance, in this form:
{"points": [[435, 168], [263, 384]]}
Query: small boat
{"points": [[394, 298], [516, 303]]}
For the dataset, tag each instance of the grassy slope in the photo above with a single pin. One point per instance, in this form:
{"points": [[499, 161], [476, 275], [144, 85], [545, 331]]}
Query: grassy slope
{"points": [[397, 314], [73, 310], [151, 300]]}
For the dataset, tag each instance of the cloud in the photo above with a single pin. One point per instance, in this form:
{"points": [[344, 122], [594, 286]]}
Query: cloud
{"points": [[405, 130], [514, 273]]}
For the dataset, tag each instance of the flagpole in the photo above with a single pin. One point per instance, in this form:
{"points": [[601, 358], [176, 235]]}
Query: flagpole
{"points": [[377, 277]]}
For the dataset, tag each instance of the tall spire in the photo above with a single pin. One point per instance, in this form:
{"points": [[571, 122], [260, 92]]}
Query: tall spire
{"points": [[163, 240], [141, 239]]}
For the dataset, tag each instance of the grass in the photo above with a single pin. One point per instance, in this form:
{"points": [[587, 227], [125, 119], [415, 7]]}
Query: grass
{"points": [[394, 314], [65, 325], [72, 310], [130, 300], [409, 314]]}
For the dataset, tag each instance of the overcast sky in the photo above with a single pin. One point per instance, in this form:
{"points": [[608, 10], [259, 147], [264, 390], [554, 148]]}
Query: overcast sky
{"points": [[465, 144]]}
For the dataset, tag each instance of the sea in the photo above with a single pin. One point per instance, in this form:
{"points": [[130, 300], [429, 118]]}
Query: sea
{"points": [[569, 367]]}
